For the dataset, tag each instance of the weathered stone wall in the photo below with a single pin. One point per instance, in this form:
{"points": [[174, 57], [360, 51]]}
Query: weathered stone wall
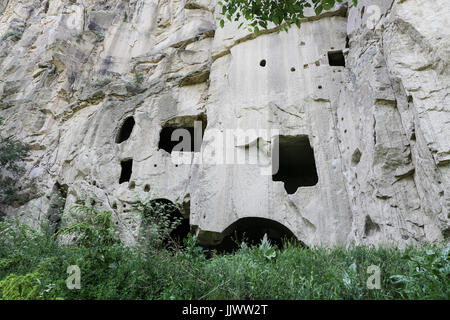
{"points": [[72, 71], [395, 108]]}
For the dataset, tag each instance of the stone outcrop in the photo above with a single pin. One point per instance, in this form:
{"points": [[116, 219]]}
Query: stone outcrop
{"points": [[358, 99]]}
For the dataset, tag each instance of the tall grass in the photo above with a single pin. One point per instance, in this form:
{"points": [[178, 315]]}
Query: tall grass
{"points": [[33, 265]]}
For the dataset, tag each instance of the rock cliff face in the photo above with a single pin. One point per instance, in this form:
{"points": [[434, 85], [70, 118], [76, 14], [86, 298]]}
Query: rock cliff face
{"points": [[358, 101]]}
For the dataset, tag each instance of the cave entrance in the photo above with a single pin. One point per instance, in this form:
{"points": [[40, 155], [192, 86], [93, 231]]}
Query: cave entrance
{"points": [[158, 207], [184, 132], [125, 130], [166, 143], [296, 163], [251, 230], [127, 170]]}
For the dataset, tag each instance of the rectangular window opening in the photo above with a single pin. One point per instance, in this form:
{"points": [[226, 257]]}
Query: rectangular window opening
{"points": [[297, 166], [179, 133], [127, 169], [336, 58]]}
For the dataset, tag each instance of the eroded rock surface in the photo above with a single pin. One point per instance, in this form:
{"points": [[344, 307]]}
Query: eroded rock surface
{"points": [[359, 95]]}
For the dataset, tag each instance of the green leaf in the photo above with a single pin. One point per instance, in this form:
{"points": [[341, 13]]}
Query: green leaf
{"points": [[318, 9], [327, 5]]}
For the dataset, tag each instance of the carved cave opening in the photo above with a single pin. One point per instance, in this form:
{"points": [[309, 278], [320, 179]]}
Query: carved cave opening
{"points": [[125, 130], [176, 130], [166, 143], [370, 227], [251, 230], [336, 58], [159, 206], [127, 170], [297, 166]]}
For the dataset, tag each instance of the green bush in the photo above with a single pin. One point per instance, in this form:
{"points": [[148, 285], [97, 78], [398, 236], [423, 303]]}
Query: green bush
{"points": [[12, 152], [25, 287], [429, 275], [158, 222], [89, 227], [110, 270]]}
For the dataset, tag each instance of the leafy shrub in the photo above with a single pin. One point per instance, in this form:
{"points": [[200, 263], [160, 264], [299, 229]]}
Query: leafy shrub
{"points": [[268, 251], [12, 152], [15, 287], [192, 250], [110, 270], [281, 13], [89, 227], [157, 222], [429, 276]]}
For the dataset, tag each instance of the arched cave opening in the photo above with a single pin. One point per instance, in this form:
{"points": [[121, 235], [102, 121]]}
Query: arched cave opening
{"points": [[251, 230], [176, 130], [125, 130], [296, 163], [127, 170], [164, 206]]}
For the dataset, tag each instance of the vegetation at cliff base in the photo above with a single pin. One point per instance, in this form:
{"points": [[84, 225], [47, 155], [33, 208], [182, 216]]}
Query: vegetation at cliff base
{"points": [[34, 264]]}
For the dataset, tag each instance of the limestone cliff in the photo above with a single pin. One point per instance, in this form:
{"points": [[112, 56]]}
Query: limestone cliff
{"points": [[359, 99]]}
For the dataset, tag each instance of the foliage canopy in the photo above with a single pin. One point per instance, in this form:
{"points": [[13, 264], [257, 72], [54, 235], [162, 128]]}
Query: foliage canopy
{"points": [[282, 13]]}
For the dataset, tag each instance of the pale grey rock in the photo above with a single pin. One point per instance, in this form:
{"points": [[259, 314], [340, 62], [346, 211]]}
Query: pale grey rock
{"points": [[71, 72]]}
